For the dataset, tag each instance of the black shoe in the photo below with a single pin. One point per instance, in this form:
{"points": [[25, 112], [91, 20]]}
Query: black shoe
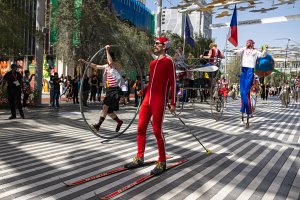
{"points": [[159, 168], [22, 116], [137, 162], [12, 117], [119, 126], [96, 126]]}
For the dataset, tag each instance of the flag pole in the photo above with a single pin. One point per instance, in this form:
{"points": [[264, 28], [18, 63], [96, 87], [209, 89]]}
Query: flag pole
{"points": [[225, 53], [184, 25]]}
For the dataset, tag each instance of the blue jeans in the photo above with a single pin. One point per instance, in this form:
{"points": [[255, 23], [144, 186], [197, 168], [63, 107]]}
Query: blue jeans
{"points": [[56, 94]]}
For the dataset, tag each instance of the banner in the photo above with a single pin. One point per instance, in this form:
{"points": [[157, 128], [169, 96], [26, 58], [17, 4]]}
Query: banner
{"points": [[188, 37]]}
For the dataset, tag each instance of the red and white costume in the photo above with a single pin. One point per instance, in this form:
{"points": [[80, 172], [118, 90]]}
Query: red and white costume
{"points": [[162, 78], [223, 87], [214, 53]]}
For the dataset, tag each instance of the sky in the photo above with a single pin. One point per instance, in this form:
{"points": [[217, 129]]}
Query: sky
{"points": [[262, 34]]}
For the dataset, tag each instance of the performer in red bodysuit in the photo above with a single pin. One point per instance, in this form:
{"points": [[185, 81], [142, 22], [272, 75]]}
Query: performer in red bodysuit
{"points": [[162, 78]]}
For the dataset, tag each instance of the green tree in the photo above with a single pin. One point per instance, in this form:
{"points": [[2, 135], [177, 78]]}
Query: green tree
{"points": [[201, 44], [233, 68], [98, 27], [15, 20]]}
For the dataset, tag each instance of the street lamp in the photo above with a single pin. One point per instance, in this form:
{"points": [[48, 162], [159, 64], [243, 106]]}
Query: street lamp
{"points": [[287, 46], [158, 18], [286, 51]]}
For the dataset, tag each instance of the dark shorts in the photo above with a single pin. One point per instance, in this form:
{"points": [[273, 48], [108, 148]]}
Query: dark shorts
{"points": [[125, 93], [112, 98]]}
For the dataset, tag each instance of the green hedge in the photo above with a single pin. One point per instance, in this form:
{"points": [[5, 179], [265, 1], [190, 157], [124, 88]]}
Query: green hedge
{"points": [[3, 99]]}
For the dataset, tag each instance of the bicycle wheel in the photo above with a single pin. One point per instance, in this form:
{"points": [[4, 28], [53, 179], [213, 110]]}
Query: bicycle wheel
{"points": [[190, 101], [217, 107], [186, 103], [125, 113], [196, 104]]}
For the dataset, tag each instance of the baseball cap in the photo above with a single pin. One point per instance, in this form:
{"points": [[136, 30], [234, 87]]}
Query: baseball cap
{"points": [[165, 41]]}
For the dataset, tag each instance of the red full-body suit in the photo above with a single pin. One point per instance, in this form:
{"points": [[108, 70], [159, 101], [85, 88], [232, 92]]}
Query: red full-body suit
{"points": [[162, 78]]}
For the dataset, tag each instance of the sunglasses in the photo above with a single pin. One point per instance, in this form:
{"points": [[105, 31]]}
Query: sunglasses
{"points": [[157, 43]]}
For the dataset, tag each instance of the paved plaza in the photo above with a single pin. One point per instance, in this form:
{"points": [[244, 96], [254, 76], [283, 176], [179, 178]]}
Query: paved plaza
{"points": [[53, 145]]}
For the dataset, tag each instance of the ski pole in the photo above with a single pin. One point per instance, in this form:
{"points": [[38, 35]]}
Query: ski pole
{"points": [[175, 115]]}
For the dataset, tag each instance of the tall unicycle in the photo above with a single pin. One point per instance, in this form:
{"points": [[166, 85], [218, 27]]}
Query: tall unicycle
{"points": [[216, 100], [196, 103], [216, 104], [181, 98], [126, 113]]}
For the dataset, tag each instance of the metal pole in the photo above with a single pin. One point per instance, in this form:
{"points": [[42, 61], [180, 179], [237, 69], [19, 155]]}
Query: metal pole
{"points": [[39, 50], [225, 52], [225, 65], [158, 18], [296, 66], [286, 51], [184, 25]]}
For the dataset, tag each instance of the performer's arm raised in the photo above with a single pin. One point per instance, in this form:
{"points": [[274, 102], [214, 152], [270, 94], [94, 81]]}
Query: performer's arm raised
{"points": [[264, 53], [93, 65]]}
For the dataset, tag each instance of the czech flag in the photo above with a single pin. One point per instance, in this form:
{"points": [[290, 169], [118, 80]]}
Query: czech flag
{"points": [[233, 38]]}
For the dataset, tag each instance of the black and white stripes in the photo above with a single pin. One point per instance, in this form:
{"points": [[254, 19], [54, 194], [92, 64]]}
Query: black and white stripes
{"points": [[261, 162]]}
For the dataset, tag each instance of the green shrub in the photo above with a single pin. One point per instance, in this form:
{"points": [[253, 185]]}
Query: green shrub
{"points": [[3, 99]]}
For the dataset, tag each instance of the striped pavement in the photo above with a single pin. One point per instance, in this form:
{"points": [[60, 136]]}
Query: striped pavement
{"points": [[50, 147]]}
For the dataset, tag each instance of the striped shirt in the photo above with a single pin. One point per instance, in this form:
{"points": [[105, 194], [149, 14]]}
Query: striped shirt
{"points": [[111, 82]]}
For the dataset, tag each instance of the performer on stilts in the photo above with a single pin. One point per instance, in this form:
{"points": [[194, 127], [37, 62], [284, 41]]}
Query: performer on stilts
{"points": [[249, 55], [162, 78]]}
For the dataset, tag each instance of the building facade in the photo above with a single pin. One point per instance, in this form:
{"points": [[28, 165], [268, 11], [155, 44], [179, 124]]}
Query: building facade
{"points": [[135, 12]]}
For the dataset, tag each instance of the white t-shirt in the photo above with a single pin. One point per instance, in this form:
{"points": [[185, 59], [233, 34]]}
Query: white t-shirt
{"points": [[249, 56]]}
